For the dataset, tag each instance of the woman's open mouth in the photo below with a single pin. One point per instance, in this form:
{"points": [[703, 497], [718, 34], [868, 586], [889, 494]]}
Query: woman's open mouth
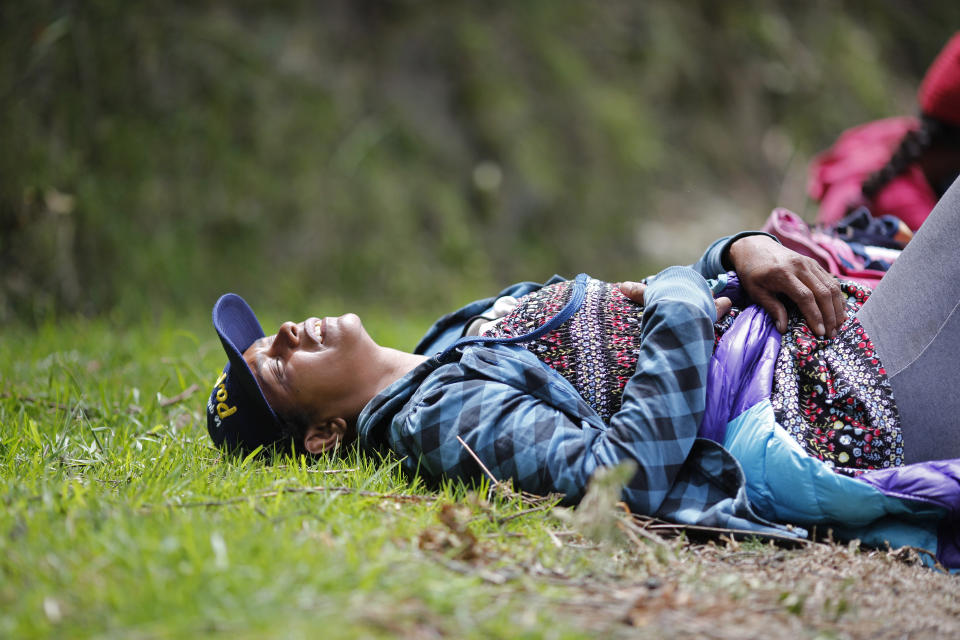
{"points": [[314, 327]]}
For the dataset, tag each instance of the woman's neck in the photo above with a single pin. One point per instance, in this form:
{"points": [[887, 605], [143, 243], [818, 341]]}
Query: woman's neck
{"points": [[394, 364]]}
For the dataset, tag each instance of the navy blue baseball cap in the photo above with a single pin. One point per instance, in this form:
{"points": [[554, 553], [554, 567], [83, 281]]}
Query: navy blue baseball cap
{"points": [[238, 415]]}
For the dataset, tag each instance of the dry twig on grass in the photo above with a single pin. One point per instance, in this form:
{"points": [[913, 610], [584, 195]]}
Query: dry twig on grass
{"points": [[180, 397], [496, 483], [399, 497], [506, 489]]}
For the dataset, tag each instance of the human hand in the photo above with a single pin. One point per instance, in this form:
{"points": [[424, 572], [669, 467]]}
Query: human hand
{"points": [[723, 305], [634, 291], [766, 268]]}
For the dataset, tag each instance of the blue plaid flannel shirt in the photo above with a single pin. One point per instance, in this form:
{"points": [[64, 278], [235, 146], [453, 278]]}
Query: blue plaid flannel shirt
{"points": [[527, 423]]}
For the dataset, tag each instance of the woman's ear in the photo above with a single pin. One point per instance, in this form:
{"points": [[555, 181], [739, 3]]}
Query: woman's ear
{"points": [[324, 436]]}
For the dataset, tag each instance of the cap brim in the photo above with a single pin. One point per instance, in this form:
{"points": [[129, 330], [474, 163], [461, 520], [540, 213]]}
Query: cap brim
{"points": [[238, 328]]}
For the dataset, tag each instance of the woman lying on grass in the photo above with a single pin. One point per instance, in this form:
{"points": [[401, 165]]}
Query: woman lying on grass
{"points": [[772, 416]]}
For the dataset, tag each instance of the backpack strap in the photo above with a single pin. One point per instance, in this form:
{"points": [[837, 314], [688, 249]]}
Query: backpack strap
{"points": [[573, 305]]}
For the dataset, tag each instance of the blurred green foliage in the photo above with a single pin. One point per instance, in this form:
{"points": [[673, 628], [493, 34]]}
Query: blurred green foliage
{"points": [[417, 152]]}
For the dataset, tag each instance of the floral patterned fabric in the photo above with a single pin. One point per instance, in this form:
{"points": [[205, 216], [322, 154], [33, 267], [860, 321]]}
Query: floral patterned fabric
{"points": [[595, 350], [833, 396]]}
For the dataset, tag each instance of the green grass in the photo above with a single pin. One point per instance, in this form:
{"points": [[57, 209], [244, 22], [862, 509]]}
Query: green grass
{"points": [[119, 520]]}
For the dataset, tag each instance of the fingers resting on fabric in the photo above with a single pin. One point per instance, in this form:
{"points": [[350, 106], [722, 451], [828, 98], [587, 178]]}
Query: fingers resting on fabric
{"points": [[768, 270], [724, 304], [633, 290]]}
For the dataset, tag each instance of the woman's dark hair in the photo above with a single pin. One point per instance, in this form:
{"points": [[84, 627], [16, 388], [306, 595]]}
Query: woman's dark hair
{"points": [[931, 133], [293, 428]]}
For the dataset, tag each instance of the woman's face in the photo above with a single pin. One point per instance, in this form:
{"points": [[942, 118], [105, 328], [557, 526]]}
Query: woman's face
{"points": [[316, 368]]}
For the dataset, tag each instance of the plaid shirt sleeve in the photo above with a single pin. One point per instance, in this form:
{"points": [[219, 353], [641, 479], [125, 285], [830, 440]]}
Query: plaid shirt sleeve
{"points": [[524, 425], [716, 258]]}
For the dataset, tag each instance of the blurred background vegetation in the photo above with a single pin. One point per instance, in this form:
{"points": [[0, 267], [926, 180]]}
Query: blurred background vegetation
{"points": [[413, 153]]}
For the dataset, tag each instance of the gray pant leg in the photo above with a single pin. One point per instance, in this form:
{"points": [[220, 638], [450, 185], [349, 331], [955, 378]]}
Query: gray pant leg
{"points": [[913, 318]]}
